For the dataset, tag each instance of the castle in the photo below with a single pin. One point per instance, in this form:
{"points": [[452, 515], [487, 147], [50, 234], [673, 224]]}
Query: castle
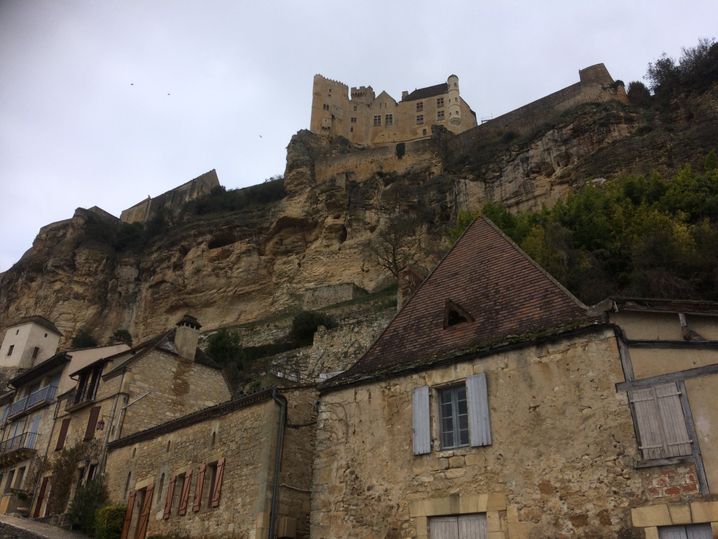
{"points": [[364, 118]]}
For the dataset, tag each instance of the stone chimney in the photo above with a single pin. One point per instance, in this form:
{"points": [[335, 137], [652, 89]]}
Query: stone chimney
{"points": [[409, 280], [404, 94], [187, 336]]}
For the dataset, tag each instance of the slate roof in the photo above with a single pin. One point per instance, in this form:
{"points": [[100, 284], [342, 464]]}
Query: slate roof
{"points": [[657, 305], [508, 296], [429, 91]]}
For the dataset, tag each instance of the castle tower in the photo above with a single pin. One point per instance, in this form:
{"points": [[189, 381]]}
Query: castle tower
{"points": [[454, 109], [29, 342]]}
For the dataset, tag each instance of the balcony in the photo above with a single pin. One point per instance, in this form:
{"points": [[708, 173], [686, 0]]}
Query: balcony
{"points": [[35, 399], [18, 448]]}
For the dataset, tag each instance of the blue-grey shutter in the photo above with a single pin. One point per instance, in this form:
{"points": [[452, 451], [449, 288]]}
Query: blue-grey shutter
{"points": [[420, 420], [478, 401]]}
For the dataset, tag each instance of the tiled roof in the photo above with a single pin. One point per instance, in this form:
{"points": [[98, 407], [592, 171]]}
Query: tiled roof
{"points": [[429, 91], [507, 296], [686, 306]]}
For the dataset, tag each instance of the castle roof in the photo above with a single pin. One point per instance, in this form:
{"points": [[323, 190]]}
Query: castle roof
{"points": [[429, 91], [484, 294]]}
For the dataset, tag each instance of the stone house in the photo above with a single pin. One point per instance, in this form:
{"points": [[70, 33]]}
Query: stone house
{"points": [[28, 342], [238, 469], [109, 396], [496, 405], [28, 419], [365, 118]]}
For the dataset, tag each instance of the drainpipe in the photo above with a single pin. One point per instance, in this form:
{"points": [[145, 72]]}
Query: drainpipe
{"points": [[110, 425], [273, 516]]}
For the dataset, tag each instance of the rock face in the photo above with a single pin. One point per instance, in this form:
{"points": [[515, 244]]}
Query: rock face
{"points": [[343, 204]]}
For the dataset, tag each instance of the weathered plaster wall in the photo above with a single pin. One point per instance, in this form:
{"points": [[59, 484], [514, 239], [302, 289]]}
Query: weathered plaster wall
{"points": [[702, 394], [553, 407]]}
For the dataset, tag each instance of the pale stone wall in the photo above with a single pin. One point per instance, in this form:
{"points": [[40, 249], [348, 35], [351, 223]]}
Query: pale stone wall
{"points": [[336, 113], [173, 387], [323, 296], [561, 462], [246, 438]]}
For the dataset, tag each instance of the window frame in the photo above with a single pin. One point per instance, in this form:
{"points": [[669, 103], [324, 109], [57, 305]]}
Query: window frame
{"points": [[456, 433]]}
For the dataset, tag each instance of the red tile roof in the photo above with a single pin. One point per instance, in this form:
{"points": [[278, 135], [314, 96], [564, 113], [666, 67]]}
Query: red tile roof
{"points": [[507, 295]]}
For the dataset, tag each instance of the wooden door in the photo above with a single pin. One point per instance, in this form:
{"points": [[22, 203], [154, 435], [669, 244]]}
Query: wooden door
{"points": [[458, 527], [41, 497]]}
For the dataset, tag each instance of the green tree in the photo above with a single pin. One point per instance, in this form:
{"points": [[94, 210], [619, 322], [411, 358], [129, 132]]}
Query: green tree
{"points": [[225, 347]]}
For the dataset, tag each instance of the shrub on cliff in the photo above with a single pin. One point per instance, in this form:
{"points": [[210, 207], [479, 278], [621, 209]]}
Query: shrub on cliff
{"points": [[638, 94], [225, 347], [696, 70], [83, 339], [223, 200]]}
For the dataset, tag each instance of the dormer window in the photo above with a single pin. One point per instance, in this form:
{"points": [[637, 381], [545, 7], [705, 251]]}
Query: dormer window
{"points": [[87, 385], [455, 314]]}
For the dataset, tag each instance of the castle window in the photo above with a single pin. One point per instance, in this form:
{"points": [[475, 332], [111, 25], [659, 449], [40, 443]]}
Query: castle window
{"points": [[325, 106], [440, 115], [355, 108], [351, 129], [439, 102], [377, 120], [9, 350], [419, 119], [35, 352], [389, 120], [353, 120], [419, 106]]}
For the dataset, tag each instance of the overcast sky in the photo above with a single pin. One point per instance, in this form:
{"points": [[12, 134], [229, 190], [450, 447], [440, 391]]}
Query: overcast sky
{"points": [[105, 102]]}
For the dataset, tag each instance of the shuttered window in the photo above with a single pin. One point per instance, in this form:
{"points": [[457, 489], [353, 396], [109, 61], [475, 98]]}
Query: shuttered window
{"points": [[217, 486], [169, 498], [694, 531], [661, 425], [198, 489], [458, 527], [463, 416], [92, 423], [184, 499], [144, 519], [128, 515], [63, 434], [420, 420]]}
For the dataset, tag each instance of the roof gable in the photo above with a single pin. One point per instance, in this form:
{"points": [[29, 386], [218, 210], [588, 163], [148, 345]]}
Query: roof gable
{"points": [[505, 294]]}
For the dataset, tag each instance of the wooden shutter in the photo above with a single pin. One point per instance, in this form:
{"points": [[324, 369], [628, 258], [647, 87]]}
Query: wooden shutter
{"points": [[92, 422], [477, 398], [690, 531], [40, 497], [63, 434], [168, 500], [198, 490], [472, 526], [660, 421], [217, 487], [128, 515], [145, 514], [443, 528], [184, 499], [420, 421]]}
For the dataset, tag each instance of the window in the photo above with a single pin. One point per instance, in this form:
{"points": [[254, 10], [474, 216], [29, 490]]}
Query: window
{"points": [[184, 498], [377, 120], [353, 120], [325, 106], [439, 102], [8, 484], [419, 106], [355, 108], [87, 385], [462, 415], [472, 526], [453, 417], [35, 352], [389, 120], [63, 434], [691, 531], [660, 423], [19, 478], [440, 115], [92, 422], [420, 119], [9, 350]]}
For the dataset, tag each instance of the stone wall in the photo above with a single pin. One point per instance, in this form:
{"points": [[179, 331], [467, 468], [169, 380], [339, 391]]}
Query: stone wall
{"points": [[323, 296], [561, 462], [244, 435], [169, 387], [172, 200]]}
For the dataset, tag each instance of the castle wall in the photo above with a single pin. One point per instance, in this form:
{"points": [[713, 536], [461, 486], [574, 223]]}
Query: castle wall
{"points": [[595, 86], [172, 200]]}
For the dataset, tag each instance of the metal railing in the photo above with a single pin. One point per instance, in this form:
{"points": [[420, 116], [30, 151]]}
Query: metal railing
{"points": [[42, 395], [27, 440]]}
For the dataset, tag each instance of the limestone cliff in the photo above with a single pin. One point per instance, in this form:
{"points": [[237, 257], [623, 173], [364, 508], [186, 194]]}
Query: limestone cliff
{"points": [[235, 266]]}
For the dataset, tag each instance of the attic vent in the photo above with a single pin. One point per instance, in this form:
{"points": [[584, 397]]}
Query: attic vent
{"points": [[455, 314]]}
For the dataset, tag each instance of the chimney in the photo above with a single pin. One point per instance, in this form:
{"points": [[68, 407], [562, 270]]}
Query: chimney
{"points": [[187, 336], [404, 94]]}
